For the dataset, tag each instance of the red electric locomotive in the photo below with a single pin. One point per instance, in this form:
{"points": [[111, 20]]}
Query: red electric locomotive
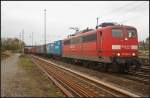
{"points": [[112, 44]]}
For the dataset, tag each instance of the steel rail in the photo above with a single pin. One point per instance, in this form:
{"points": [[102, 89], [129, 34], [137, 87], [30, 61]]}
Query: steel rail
{"points": [[108, 86], [80, 90], [65, 91]]}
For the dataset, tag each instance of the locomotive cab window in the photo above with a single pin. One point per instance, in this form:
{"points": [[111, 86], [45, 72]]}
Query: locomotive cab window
{"points": [[117, 33], [131, 33]]}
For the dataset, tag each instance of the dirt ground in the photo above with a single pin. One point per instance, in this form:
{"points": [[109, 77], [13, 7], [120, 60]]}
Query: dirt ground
{"points": [[21, 78], [6, 54]]}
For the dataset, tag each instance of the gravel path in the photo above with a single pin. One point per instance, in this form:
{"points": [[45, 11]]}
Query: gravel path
{"points": [[21, 78], [8, 69]]}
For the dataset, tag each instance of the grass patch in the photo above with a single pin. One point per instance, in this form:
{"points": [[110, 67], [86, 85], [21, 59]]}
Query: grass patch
{"points": [[26, 63], [35, 83]]}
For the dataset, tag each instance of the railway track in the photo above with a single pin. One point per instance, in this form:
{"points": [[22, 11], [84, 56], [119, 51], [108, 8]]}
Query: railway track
{"points": [[77, 84], [140, 74]]}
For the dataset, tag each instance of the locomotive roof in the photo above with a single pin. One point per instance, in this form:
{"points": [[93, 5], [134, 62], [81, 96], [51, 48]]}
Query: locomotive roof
{"points": [[117, 26], [99, 29]]}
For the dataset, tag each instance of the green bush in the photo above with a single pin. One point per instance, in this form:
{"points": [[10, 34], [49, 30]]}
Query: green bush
{"points": [[13, 44]]}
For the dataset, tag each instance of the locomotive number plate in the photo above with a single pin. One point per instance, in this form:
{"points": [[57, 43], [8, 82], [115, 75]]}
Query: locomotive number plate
{"points": [[125, 46]]}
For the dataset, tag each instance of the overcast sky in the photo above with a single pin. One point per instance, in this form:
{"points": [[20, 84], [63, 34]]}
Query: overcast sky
{"points": [[61, 15]]}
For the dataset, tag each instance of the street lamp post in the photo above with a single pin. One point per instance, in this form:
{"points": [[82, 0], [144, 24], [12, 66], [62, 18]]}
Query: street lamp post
{"points": [[23, 40], [32, 38], [45, 30]]}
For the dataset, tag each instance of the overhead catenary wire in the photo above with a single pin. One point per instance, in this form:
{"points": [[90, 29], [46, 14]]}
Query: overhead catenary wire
{"points": [[119, 8], [126, 8], [139, 14], [130, 19]]}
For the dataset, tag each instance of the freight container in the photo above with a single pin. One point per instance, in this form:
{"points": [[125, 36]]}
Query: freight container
{"points": [[50, 48], [57, 48], [40, 49]]}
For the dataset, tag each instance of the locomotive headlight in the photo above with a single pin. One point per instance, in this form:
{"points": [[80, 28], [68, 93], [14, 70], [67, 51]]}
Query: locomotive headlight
{"points": [[118, 54], [133, 54], [126, 38]]}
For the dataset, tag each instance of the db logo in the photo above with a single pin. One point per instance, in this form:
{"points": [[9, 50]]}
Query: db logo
{"points": [[125, 46]]}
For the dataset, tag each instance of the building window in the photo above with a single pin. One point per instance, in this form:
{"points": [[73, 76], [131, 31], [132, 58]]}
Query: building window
{"points": [[91, 37], [117, 33]]}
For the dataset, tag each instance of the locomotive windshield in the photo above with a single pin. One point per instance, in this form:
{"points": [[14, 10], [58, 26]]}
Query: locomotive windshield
{"points": [[117, 32], [131, 33]]}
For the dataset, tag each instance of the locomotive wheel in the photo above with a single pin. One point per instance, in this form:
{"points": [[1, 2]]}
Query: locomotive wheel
{"points": [[95, 66], [102, 67], [123, 68], [84, 64], [115, 67], [106, 66], [69, 60], [89, 65]]}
